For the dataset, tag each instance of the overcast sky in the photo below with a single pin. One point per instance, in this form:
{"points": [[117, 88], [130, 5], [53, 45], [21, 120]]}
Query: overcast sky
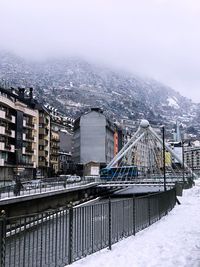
{"points": [[155, 38]]}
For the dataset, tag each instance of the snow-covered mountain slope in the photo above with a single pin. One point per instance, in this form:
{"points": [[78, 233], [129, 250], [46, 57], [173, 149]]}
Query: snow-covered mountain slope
{"points": [[73, 85]]}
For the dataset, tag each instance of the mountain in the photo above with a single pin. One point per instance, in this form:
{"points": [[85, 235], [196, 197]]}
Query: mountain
{"points": [[73, 85]]}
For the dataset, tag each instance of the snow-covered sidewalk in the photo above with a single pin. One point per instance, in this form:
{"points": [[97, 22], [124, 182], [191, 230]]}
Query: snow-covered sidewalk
{"points": [[174, 241]]}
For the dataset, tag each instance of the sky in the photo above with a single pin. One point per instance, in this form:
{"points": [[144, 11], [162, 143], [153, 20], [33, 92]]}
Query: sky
{"points": [[155, 38]]}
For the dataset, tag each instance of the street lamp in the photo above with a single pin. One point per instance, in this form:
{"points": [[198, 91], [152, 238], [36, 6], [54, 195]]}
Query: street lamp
{"points": [[164, 165], [192, 156], [183, 161]]}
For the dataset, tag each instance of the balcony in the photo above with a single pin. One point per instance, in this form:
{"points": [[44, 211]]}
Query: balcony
{"points": [[43, 131], [8, 132], [55, 139], [9, 148], [43, 163], [2, 130], [28, 124], [43, 153], [2, 114], [7, 116], [10, 117], [42, 142], [27, 150], [28, 137], [44, 121], [55, 146], [13, 134], [2, 146], [24, 137], [54, 152]]}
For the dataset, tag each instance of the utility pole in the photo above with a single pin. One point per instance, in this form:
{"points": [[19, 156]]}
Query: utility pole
{"points": [[164, 167]]}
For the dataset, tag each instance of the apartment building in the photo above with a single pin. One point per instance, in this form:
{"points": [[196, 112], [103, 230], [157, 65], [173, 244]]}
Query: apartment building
{"points": [[60, 141], [54, 150], [192, 158], [43, 169], [93, 139], [32, 140], [18, 134]]}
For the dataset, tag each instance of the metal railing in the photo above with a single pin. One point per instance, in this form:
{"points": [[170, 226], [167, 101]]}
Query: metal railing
{"points": [[60, 237], [28, 188], [151, 179]]}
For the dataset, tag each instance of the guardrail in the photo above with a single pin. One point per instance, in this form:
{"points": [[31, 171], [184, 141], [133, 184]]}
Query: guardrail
{"points": [[60, 237], [27, 188], [60, 183]]}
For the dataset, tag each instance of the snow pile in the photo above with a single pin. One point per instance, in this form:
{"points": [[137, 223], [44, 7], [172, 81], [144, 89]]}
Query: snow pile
{"points": [[174, 241], [172, 102], [116, 93]]}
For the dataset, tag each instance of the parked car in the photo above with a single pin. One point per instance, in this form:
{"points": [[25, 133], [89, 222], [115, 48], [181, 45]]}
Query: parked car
{"points": [[33, 184], [73, 179]]}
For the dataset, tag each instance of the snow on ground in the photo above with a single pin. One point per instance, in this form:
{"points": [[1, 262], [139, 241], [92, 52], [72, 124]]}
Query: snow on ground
{"points": [[174, 241]]}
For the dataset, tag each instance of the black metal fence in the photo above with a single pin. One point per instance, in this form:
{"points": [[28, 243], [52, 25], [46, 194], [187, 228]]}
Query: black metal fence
{"points": [[57, 238]]}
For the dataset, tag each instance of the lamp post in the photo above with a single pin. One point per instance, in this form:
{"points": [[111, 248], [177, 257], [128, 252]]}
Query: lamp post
{"points": [[192, 156], [183, 159], [164, 165]]}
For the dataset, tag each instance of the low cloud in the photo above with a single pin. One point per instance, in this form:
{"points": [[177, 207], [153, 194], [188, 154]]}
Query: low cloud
{"points": [[156, 38]]}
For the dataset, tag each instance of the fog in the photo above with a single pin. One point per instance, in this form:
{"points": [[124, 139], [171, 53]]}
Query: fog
{"points": [[154, 38]]}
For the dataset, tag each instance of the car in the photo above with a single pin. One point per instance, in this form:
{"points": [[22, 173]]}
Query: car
{"points": [[73, 179], [33, 184]]}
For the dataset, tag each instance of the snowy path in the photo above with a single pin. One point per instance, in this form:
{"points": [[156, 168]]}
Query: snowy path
{"points": [[174, 241]]}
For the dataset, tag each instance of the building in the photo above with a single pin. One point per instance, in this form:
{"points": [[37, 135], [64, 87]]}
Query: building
{"points": [[93, 139], [66, 165], [192, 158], [33, 138], [43, 169], [54, 151], [60, 142], [18, 134]]}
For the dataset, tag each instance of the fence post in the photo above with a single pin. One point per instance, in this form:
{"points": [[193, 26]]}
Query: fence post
{"points": [[166, 197], [109, 224], [159, 211], [171, 199], [134, 215], [70, 244], [149, 210], [92, 230], [175, 198], [2, 238]]}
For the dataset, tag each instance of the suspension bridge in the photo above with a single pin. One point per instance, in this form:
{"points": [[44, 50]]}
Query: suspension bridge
{"points": [[147, 158]]}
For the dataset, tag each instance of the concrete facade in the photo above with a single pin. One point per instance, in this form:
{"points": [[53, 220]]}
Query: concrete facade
{"points": [[93, 138]]}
